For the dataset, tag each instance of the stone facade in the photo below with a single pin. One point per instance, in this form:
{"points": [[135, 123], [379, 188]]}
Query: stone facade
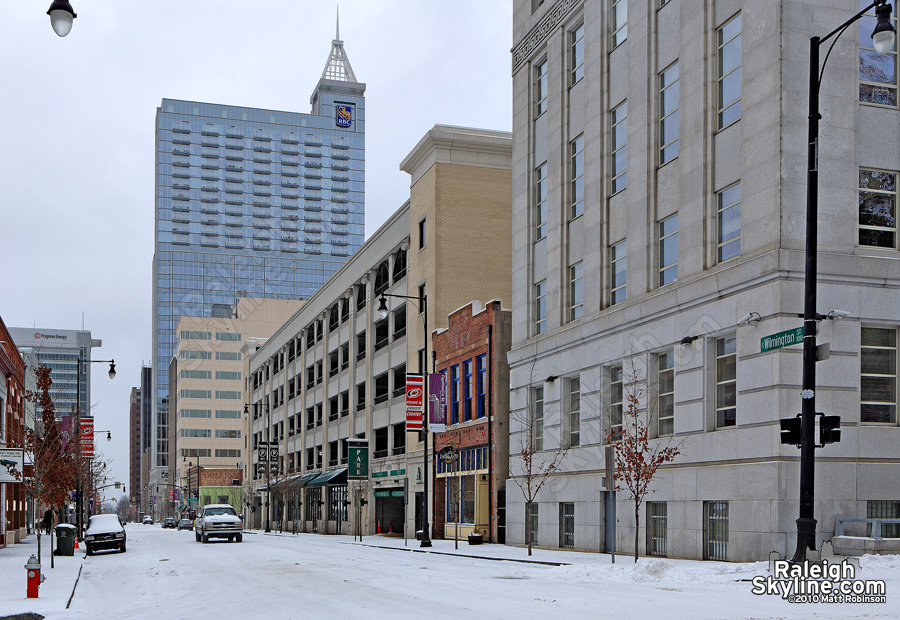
{"points": [[733, 491]]}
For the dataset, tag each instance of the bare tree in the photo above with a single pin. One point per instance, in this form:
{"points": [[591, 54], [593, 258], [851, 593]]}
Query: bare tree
{"points": [[637, 456], [538, 461], [359, 492]]}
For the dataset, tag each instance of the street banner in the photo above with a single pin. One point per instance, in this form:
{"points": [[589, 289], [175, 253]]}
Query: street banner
{"points": [[12, 466], [87, 438], [437, 403], [415, 402], [358, 461], [66, 425]]}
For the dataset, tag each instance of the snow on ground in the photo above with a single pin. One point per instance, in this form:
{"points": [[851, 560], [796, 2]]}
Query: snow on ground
{"points": [[166, 574]]}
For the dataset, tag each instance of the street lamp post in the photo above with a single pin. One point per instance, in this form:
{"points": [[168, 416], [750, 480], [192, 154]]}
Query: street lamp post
{"points": [[883, 39], [268, 452], [80, 362], [423, 370], [61, 16]]}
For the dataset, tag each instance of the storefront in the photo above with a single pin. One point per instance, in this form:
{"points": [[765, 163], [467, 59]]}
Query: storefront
{"points": [[465, 490]]}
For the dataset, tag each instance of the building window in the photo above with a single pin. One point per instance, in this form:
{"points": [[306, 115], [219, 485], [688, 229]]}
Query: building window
{"points": [[619, 21], [878, 208], [665, 393], [730, 72], [573, 411], [728, 220], [540, 307], [618, 147], [668, 250], [537, 419], [726, 381], [716, 531], [481, 369], [576, 291], [540, 202], [454, 394], [467, 387], [616, 402], [567, 525], [668, 114], [884, 509], [532, 520], [618, 273], [577, 37], [877, 73], [540, 88], [576, 148], [878, 376], [422, 233], [657, 528]]}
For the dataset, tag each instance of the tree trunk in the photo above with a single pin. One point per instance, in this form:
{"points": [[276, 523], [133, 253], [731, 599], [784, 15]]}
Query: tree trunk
{"points": [[529, 534], [637, 529]]}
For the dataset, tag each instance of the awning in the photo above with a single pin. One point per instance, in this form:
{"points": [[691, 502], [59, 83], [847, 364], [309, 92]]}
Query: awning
{"points": [[335, 476]]}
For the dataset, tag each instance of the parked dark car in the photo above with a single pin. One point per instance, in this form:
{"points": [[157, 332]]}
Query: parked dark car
{"points": [[168, 522], [185, 524], [104, 532]]}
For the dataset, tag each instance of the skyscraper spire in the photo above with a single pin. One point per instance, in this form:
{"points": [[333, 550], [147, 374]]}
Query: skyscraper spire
{"points": [[337, 27], [338, 66]]}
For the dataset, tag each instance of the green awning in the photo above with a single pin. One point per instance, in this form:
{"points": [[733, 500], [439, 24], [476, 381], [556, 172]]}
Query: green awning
{"points": [[335, 476]]}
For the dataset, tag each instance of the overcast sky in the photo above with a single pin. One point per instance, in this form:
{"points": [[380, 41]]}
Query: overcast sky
{"points": [[77, 139]]}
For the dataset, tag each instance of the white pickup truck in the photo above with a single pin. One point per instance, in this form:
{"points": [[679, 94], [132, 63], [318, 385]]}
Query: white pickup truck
{"points": [[218, 521]]}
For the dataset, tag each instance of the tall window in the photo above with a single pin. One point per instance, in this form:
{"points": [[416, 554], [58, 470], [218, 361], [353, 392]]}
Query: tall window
{"points": [[531, 518], [716, 531], [567, 525], [454, 394], [540, 88], [576, 149], [616, 393], [726, 381], [540, 202], [668, 114], [422, 233], [668, 250], [619, 21], [657, 528], [878, 208], [877, 73], [540, 307], [467, 386], [878, 380], [618, 147], [577, 54], [481, 370], [665, 392], [728, 220], [730, 72], [537, 419], [573, 411], [576, 292], [618, 276]]}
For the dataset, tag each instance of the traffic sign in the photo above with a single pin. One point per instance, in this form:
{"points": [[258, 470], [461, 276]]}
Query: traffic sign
{"points": [[262, 454], [781, 339], [273, 454]]}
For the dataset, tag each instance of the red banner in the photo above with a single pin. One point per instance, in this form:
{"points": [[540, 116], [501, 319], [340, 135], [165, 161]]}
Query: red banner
{"points": [[87, 438], [415, 402]]}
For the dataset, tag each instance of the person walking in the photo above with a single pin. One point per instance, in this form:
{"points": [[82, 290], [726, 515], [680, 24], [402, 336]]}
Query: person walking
{"points": [[48, 521]]}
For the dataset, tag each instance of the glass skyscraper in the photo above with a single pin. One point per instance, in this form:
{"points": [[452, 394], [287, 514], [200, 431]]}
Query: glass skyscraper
{"points": [[251, 203]]}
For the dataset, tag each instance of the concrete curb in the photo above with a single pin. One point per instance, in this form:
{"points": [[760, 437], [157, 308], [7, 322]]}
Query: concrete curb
{"points": [[463, 555]]}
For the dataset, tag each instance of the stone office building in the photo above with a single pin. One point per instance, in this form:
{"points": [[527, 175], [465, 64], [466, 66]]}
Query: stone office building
{"points": [[337, 369], [658, 237]]}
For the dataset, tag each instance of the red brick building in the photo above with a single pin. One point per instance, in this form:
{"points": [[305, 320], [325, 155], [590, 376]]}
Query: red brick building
{"points": [[470, 494], [12, 435]]}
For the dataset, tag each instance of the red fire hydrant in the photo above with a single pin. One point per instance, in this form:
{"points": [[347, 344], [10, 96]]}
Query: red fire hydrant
{"points": [[35, 578]]}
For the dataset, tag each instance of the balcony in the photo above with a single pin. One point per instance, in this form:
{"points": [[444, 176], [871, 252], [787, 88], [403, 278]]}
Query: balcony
{"points": [[182, 207], [312, 140], [290, 138], [262, 136], [181, 197], [381, 398], [210, 130], [209, 209]]}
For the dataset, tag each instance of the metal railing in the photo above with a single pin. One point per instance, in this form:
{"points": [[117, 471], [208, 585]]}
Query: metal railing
{"points": [[874, 527]]}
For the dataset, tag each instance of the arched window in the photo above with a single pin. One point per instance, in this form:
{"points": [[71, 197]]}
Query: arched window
{"points": [[381, 278], [333, 320], [361, 296], [399, 264]]}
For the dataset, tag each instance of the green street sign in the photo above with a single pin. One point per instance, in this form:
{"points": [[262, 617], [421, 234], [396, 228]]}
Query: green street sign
{"points": [[781, 339], [358, 461]]}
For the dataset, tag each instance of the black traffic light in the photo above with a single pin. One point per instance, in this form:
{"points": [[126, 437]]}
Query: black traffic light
{"points": [[829, 429], [790, 431]]}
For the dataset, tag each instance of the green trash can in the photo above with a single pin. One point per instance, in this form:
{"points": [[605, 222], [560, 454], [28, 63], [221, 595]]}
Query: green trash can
{"points": [[65, 539]]}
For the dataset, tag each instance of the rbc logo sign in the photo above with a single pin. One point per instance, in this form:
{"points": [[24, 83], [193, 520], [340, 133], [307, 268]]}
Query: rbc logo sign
{"points": [[343, 115]]}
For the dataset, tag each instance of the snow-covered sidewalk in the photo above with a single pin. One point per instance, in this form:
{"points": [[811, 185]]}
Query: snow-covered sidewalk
{"points": [[53, 594]]}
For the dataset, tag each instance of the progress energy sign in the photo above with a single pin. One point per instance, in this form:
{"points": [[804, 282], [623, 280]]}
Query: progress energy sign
{"points": [[87, 438], [415, 402], [12, 464]]}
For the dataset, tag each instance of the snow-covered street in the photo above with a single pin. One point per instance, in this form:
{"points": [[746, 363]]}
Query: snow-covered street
{"points": [[166, 574]]}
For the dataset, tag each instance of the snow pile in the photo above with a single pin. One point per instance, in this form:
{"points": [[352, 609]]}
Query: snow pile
{"points": [[659, 571], [883, 565]]}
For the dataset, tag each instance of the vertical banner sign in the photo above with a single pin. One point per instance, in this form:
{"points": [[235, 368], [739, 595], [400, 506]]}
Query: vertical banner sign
{"points": [[67, 423], [87, 438], [437, 403], [415, 402], [358, 459]]}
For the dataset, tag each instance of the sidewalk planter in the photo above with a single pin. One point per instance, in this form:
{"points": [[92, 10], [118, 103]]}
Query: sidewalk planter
{"points": [[65, 539], [475, 538]]}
